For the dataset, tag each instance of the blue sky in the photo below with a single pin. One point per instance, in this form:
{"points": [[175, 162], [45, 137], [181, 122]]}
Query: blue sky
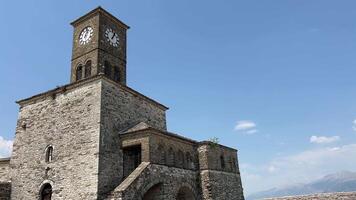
{"points": [[262, 76]]}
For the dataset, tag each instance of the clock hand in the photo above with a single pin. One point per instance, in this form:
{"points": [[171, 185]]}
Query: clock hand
{"points": [[113, 36]]}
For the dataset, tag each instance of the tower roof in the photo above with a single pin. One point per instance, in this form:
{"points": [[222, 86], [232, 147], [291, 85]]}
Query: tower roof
{"points": [[99, 10]]}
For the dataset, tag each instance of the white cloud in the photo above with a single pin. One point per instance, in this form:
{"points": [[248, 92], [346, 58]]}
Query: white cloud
{"points": [[5, 147], [247, 127], [323, 139], [302, 167], [272, 169], [354, 125]]}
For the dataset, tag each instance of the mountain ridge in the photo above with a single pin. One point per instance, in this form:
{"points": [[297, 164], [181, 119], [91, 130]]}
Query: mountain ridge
{"points": [[343, 181]]}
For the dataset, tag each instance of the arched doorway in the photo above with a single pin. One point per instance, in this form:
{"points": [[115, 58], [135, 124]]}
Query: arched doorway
{"points": [[185, 193], [154, 193], [46, 192]]}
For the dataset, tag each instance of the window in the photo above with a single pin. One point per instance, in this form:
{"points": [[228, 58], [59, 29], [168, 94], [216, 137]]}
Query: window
{"points": [[79, 72], [170, 159], [46, 193], [132, 159], [180, 159], [189, 161], [116, 74], [222, 162], [87, 69], [162, 154], [107, 69], [49, 154]]}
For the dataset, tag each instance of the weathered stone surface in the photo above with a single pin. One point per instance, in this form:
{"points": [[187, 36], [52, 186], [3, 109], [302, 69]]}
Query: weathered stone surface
{"points": [[120, 110], [169, 179], [70, 122], [96, 138], [4, 169], [322, 196]]}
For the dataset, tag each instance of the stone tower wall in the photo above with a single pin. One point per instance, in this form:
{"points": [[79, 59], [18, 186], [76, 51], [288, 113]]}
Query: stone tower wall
{"points": [[5, 185], [121, 109], [219, 172], [68, 119]]}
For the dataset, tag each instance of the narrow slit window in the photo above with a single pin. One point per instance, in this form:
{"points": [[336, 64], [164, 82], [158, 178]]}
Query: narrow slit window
{"points": [[49, 154], [79, 72], [87, 69]]}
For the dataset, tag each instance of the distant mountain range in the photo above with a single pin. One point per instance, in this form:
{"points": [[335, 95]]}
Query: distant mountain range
{"points": [[344, 181]]}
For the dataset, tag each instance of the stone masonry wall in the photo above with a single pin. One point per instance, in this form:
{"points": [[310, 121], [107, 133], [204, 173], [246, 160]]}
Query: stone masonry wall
{"points": [[219, 172], [169, 179], [323, 196], [4, 170], [172, 151], [217, 157], [218, 185], [121, 109], [68, 119]]}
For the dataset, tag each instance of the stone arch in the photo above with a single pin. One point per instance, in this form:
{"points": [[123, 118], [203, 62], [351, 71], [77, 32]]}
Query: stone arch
{"points": [[186, 192], [147, 188], [154, 193], [46, 190], [87, 69]]}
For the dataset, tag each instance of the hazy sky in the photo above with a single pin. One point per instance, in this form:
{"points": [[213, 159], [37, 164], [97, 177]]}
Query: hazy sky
{"points": [[274, 79]]}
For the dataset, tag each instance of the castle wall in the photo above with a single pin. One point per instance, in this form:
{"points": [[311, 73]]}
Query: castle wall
{"points": [[5, 185], [219, 185], [171, 151], [170, 181], [219, 172], [121, 109], [68, 119]]}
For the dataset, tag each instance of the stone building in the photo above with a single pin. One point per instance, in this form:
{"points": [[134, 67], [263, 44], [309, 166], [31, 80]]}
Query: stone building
{"points": [[96, 138]]}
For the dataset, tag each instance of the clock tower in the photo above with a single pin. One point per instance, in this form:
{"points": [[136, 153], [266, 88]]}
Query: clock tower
{"points": [[99, 47]]}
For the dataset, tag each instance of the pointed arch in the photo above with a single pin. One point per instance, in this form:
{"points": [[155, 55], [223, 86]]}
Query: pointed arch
{"points": [[87, 71], [185, 193], [79, 72], [222, 161], [154, 192], [46, 192]]}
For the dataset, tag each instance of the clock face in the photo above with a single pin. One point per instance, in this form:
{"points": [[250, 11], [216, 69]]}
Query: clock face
{"points": [[112, 37], [85, 35]]}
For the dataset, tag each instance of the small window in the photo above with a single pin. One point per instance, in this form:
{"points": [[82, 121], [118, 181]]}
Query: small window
{"points": [[87, 69], [46, 193], [107, 69], [170, 159], [222, 162], [49, 154], [79, 72]]}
